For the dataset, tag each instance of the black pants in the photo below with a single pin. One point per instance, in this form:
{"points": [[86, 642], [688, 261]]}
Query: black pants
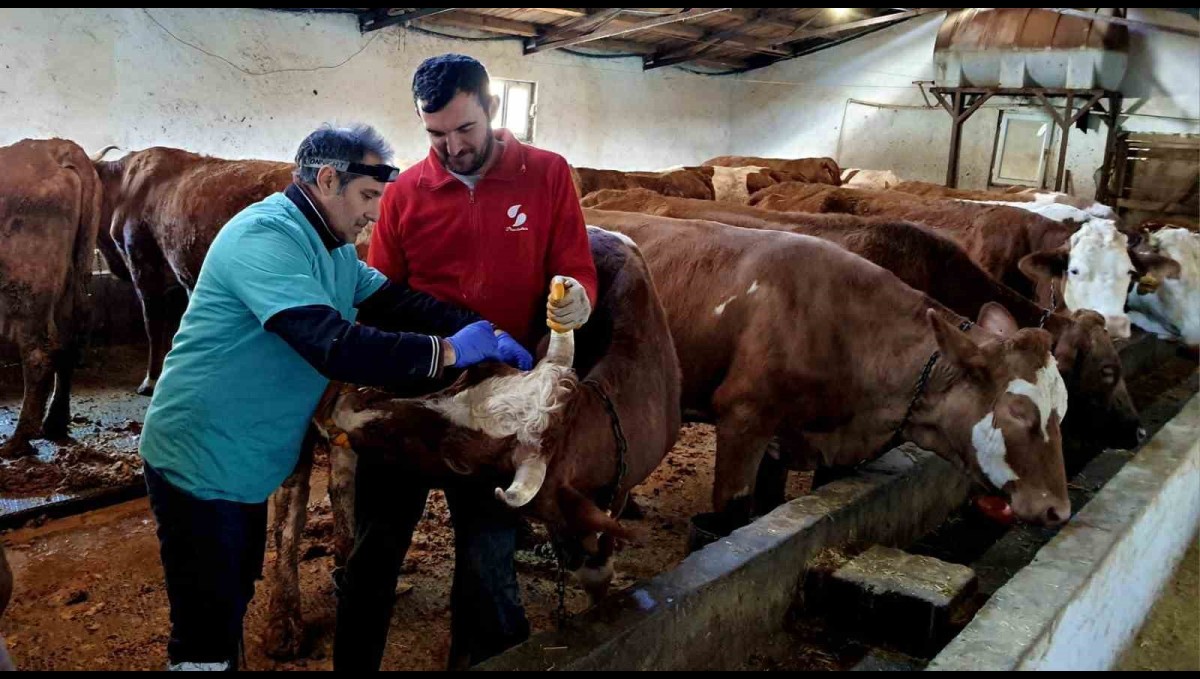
{"points": [[485, 599], [212, 552]]}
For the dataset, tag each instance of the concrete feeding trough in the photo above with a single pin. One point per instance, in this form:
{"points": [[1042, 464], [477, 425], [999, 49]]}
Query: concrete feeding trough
{"points": [[1059, 611]]}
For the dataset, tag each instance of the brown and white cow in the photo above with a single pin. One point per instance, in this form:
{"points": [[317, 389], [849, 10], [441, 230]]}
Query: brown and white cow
{"points": [[549, 430], [790, 335], [162, 209], [1171, 308], [736, 184], [873, 180], [49, 216], [1026, 251], [1012, 194], [927, 261], [815, 170]]}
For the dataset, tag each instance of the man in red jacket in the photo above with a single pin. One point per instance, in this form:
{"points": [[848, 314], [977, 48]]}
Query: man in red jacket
{"points": [[486, 223]]}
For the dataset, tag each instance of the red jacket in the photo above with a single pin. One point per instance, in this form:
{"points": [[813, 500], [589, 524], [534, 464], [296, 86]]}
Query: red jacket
{"points": [[492, 250]]}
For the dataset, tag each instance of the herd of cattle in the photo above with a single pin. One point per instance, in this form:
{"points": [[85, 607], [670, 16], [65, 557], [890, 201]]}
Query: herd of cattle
{"points": [[838, 313]]}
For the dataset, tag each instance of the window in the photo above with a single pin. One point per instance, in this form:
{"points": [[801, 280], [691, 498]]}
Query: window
{"points": [[1022, 144], [517, 107]]}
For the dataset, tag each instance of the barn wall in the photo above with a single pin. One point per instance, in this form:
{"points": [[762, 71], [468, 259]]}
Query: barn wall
{"points": [[112, 76], [857, 103]]}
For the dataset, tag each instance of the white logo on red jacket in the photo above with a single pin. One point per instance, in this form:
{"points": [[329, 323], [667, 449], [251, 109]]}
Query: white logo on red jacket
{"points": [[518, 217]]}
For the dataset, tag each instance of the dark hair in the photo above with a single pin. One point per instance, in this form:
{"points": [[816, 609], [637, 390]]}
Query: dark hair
{"points": [[439, 79], [351, 144]]}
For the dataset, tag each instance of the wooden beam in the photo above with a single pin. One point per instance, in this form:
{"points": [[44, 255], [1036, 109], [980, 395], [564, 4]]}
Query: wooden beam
{"points": [[1126, 22], [1156, 206], [709, 41], [772, 18], [625, 30], [562, 11], [485, 23], [382, 18], [584, 24], [848, 26]]}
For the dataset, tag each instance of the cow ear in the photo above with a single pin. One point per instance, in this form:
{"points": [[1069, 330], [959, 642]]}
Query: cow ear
{"points": [[956, 346], [1151, 264], [1045, 265], [994, 317]]}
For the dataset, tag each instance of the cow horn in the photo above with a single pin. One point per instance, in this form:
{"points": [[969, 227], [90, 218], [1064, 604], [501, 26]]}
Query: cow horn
{"points": [[101, 153], [526, 483]]}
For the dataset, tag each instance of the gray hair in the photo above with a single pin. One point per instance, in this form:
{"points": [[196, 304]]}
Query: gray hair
{"points": [[351, 144]]}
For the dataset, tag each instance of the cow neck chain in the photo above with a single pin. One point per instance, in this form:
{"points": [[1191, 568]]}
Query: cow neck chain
{"points": [[560, 614], [1053, 306], [918, 392], [609, 494]]}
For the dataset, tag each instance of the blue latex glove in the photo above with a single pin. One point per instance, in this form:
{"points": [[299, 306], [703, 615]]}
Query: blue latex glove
{"points": [[512, 353], [473, 344]]}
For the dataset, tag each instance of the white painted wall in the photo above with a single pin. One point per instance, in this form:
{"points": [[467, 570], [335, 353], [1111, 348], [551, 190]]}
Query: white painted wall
{"points": [[807, 106], [112, 76]]}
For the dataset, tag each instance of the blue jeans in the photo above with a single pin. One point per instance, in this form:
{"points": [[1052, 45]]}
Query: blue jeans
{"points": [[212, 552], [485, 599]]}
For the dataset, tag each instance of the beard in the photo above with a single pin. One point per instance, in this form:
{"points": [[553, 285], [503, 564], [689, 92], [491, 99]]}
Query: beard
{"points": [[477, 159]]}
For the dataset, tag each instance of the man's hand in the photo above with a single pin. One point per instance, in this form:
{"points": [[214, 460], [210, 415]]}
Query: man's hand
{"points": [[511, 351], [473, 344], [573, 310]]}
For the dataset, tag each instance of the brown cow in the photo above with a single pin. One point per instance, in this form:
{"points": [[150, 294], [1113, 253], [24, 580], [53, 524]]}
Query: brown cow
{"points": [[815, 170], [562, 445], [786, 334], [1090, 267], [924, 260], [682, 183], [49, 216], [162, 209], [6, 588]]}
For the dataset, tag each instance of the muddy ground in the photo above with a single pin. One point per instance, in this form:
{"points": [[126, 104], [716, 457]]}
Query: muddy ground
{"points": [[89, 589]]}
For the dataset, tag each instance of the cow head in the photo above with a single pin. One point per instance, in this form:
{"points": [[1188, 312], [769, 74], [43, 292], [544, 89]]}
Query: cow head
{"points": [[999, 406], [1094, 271], [1091, 367], [1171, 307]]}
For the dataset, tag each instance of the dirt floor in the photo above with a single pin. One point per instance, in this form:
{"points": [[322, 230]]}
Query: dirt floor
{"points": [[105, 425], [1170, 637], [89, 588]]}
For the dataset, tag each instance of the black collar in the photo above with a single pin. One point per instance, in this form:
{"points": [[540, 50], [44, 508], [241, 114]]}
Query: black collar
{"points": [[316, 220]]}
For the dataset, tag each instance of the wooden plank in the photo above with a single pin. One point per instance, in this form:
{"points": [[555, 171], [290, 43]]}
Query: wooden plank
{"points": [[625, 29], [485, 23], [1153, 206], [382, 18]]}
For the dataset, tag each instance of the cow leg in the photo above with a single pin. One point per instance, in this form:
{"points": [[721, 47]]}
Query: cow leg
{"points": [[597, 572], [770, 486], [742, 437], [150, 279], [38, 372], [285, 627], [55, 427], [342, 464]]}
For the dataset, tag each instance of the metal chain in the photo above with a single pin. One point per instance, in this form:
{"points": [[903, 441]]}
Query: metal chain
{"points": [[1052, 309]]}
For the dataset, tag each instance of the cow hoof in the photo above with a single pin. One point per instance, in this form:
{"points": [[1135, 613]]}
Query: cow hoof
{"points": [[146, 388], [55, 430], [284, 639], [632, 511], [16, 449]]}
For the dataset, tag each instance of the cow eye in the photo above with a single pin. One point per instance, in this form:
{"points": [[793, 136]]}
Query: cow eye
{"points": [[1074, 272]]}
